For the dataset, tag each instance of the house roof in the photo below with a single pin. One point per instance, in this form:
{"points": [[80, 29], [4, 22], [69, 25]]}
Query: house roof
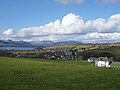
{"points": [[101, 59]]}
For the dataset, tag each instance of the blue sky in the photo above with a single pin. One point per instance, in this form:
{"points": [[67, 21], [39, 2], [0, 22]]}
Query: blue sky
{"points": [[16, 15], [27, 13]]}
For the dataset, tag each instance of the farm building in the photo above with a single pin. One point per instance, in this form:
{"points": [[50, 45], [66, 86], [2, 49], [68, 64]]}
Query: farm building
{"points": [[92, 59], [101, 61]]}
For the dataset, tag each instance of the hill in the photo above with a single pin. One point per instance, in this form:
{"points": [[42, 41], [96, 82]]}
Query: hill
{"points": [[39, 44], [11, 43], [43, 44]]}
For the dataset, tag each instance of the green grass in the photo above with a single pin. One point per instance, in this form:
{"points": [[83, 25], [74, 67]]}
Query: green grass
{"points": [[116, 64], [75, 46], [116, 52], [39, 74]]}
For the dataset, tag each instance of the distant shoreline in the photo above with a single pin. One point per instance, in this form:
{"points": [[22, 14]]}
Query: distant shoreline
{"points": [[16, 48]]}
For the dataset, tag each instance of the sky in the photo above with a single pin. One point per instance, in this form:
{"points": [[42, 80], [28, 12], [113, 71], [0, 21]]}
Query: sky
{"points": [[88, 21]]}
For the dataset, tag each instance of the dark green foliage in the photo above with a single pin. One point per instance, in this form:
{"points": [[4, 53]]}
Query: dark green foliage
{"points": [[116, 58], [5, 53], [95, 53], [114, 48]]}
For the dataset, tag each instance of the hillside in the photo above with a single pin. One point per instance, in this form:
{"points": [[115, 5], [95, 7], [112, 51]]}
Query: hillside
{"points": [[39, 44], [39, 74], [11, 43]]}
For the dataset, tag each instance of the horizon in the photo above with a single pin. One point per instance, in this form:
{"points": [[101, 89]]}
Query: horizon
{"points": [[109, 42], [59, 20]]}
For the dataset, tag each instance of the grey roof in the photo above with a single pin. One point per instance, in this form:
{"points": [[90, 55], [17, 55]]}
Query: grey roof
{"points": [[101, 59]]}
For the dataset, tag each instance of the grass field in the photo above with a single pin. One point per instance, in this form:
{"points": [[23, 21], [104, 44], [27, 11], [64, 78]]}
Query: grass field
{"points": [[38, 74], [116, 64]]}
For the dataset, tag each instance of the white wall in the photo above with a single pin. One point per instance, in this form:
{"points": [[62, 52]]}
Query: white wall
{"points": [[107, 64], [102, 63]]}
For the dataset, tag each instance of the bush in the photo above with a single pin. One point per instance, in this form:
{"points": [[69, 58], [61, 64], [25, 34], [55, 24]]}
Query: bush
{"points": [[5, 53], [95, 53]]}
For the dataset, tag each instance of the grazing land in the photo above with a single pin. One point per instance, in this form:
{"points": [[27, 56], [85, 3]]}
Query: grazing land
{"points": [[41, 74], [116, 64]]}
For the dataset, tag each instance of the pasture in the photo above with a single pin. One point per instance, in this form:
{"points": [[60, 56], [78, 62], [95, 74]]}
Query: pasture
{"points": [[40, 74], [116, 64]]}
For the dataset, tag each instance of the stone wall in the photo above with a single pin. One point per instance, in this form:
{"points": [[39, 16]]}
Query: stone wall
{"points": [[53, 55], [60, 55]]}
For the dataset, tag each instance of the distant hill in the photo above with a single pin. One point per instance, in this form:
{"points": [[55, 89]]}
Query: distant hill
{"points": [[67, 42], [41, 44], [115, 44], [50, 43], [11, 43]]}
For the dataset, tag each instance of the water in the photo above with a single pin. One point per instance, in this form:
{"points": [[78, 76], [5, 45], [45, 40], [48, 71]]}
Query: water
{"points": [[17, 48]]}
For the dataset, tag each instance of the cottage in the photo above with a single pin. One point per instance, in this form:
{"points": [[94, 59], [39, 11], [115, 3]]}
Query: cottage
{"points": [[101, 61]]}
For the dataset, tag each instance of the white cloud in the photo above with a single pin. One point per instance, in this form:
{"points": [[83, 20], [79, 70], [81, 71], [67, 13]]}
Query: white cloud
{"points": [[103, 37], [70, 1], [78, 2], [8, 32], [110, 25], [70, 24], [71, 27], [110, 1]]}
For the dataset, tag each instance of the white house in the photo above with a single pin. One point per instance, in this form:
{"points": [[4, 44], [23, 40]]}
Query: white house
{"points": [[102, 61]]}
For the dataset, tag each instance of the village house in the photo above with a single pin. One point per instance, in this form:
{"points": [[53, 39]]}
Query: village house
{"points": [[101, 61]]}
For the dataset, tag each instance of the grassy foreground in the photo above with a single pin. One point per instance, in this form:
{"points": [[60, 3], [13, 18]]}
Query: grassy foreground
{"points": [[38, 74]]}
